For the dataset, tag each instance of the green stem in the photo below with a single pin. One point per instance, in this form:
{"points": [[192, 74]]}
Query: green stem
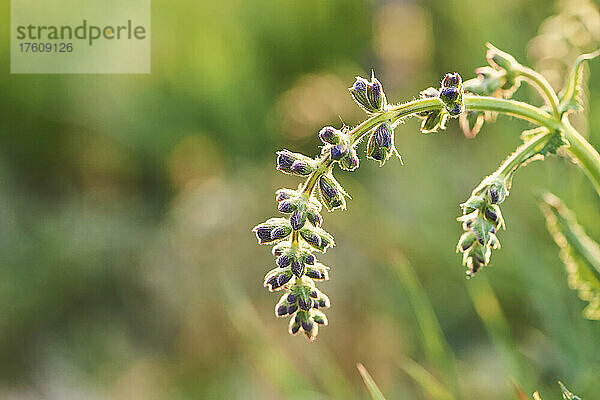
{"points": [[543, 87], [585, 154]]}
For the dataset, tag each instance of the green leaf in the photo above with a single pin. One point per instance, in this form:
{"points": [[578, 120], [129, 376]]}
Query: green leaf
{"points": [[570, 96], [578, 251], [370, 383], [432, 386]]}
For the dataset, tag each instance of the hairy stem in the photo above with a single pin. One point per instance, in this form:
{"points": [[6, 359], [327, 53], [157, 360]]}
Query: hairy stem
{"points": [[543, 87], [585, 154]]}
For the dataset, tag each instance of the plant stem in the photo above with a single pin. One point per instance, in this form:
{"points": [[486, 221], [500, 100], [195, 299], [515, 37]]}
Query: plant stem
{"points": [[543, 87], [585, 154]]}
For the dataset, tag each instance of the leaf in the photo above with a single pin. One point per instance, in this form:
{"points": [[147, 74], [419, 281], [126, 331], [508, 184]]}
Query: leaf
{"points": [[570, 96], [432, 386], [578, 251], [370, 383]]}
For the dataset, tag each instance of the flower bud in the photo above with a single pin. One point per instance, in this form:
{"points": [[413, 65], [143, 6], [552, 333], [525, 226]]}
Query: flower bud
{"points": [[368, 95], [330, 135], [319, 317], [294, 163], [317, 238], [375, 94], [435, 120], [317, 271], [339, 151], [466, 240], [286, 206], [272, 230], [451, 80], [276, 278], [284, 194], [297, 267], [359, 94], [314, 217], [380, 144], [298, 219], [331, 193], [294, 326], [350, 162], [284, 261], [291, 298], [449, 94], [302, 168]]}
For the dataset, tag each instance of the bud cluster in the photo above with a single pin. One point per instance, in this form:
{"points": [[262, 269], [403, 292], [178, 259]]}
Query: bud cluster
{"points": [[481, 220], [451, 94], [369, 94], [298, 236]]}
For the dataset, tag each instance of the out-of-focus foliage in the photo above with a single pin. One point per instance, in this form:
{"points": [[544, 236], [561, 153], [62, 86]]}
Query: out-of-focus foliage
{"points": [[127, 266], [578, 251]]}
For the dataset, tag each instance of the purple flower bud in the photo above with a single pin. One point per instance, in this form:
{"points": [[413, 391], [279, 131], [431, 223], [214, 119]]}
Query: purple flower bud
{"points": [[383, 136], [284, 160], [314, 217], [319, 319], [297, 319], [263, 233], [283, 261], [307, 326], [297, 267], [328, 189], [283, 279], [455, 109], [452, 80], [309, 259], [294, 329], [329, 135], [314, 294], [322, 303], [316, 304], [272, 281], [286, 207], [282, 310], [375, 94], [449, 94], [291, 298], [301, 168], [297, 220], [314, 274], [284, 194], [303, 304], [339, 151], [292, 309], [280, 232], [311, 238], [350, 162], [359, 94], [491, 214]]}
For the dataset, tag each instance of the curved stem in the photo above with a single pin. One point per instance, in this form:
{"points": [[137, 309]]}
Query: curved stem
{"points": [[511, 107], [543, 87], [586, 155]]}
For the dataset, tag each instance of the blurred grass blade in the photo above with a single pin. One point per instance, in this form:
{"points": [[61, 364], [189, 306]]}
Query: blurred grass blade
{"points": [[430, 384], [567, 395], [580, 254], [370, 383], [438, 352], [519, 392], [488, 308]]}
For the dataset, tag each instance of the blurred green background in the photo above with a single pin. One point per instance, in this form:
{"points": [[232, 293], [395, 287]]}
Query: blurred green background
{"points": [[127, 265]]}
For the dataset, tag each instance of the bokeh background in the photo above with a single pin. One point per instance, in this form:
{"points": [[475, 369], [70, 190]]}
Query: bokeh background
{"points": [[127, 265]]}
